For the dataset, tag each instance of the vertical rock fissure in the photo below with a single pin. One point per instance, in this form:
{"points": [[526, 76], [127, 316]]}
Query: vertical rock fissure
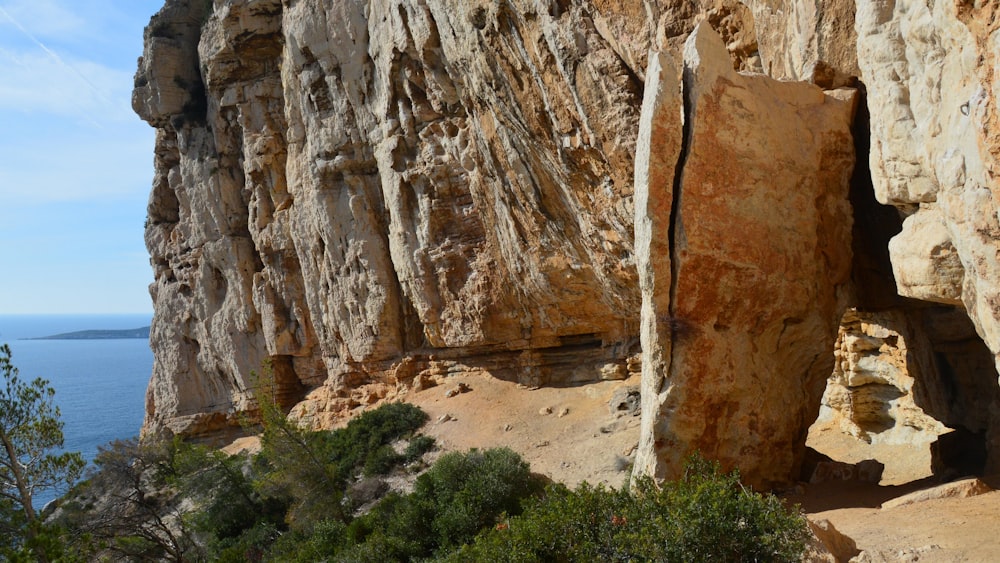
{"points": [[675, 220]]}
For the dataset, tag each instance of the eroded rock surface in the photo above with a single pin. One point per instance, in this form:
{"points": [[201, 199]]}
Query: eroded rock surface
{"points": [[749, 296], [913, 376], [807, 40], [370, 195], [880, 357], [933, 149]]}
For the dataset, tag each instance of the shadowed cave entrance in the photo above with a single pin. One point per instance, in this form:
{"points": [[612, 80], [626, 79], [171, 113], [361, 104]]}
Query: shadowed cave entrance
{"points": [[913, 385], [912, 388]]}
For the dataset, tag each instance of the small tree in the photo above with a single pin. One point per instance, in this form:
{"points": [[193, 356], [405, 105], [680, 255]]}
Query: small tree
{"points": [[30, 436], [134, 508]]}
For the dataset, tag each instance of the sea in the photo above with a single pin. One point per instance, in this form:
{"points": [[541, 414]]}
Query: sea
{"points": [[100, 384]]}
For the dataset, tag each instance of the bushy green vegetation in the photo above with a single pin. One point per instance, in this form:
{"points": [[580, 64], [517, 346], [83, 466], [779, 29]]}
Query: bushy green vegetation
{"points": [[175, 501], [471, 506], [456, 498], [705, 516], [322, 496]]}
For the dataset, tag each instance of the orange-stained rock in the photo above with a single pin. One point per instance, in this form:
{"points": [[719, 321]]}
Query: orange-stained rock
{"points": [[376, 195], [760, 261]]}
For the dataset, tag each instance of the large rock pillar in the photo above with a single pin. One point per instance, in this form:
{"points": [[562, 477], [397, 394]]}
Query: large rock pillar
{"points": [[739, 320]]}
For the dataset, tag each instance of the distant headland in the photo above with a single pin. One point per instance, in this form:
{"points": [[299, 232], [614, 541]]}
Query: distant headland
{"points": [[142, 332]]}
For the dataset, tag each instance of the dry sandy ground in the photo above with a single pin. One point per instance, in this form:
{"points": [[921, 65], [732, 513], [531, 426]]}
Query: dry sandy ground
{"points": [[941, 530], [566, 433], [571, 435]]}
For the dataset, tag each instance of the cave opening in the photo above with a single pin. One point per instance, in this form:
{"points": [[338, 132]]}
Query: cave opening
{"points": [[913, 385]]}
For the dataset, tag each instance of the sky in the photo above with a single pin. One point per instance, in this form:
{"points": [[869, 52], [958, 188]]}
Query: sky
{"points": [[76, 163]]}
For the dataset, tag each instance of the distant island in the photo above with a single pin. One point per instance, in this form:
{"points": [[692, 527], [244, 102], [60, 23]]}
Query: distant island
{"points": [[98, 334]]}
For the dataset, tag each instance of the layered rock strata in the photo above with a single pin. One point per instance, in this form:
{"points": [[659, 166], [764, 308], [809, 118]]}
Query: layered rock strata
{"points": [[871, 395], [745, 285], [371, 196], [914, 376]]}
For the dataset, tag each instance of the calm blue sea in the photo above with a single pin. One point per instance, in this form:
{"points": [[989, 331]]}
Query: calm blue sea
{"points": [[100, 384]]}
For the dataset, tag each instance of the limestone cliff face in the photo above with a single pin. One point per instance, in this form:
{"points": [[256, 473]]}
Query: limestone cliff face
{"points": [[929, 70], [371, 193], [922, 65], [374, 194]]}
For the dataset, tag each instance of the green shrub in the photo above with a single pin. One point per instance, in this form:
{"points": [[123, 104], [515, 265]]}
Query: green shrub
{"points": [[396, 529], [588, 524], [326, 538], [418, 446], [466, 492], [313, 468], [710, 515], [367, 436], [450, 504], [252, 545], [382, 461], [705, 516]]}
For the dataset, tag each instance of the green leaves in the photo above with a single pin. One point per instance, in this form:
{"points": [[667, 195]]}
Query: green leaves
{"points": [[705, 516], [29, 430], [456, 498], [30, 435]]}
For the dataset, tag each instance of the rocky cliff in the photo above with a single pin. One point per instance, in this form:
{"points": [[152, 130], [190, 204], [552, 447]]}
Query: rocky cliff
{"points": [[374, 195]]}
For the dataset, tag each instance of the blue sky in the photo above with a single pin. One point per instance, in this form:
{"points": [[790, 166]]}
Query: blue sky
{"points": [[76, 163]]}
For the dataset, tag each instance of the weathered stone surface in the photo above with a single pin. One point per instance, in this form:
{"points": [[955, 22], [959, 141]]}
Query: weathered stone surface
{"points": [[924, 261], [374, 194], [879, 358], [828, 544], [659, 149], [168, 82], [865, 471], [928, 69], [957, 489], [916, 375], [768, 223], [809, 40]]}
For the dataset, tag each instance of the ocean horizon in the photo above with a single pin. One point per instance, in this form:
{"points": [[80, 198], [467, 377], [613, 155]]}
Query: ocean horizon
{"points": [[100, 384]]}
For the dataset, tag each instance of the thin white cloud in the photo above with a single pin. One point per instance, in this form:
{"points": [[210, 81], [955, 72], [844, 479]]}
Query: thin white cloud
{"points": [[70, 147], [42, 80], [36, 82], [44, 18]]}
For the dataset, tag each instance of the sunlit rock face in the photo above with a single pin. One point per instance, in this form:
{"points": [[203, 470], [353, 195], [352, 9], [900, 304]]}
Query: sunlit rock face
{"points": [[368, 194], [748, 303], [373, 195], [928, 68]]}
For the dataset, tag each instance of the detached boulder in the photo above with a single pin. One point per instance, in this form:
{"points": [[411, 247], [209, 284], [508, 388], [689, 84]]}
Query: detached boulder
{"points": [[828, 544], [956, 489], [740, 311], [625, 401]]}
